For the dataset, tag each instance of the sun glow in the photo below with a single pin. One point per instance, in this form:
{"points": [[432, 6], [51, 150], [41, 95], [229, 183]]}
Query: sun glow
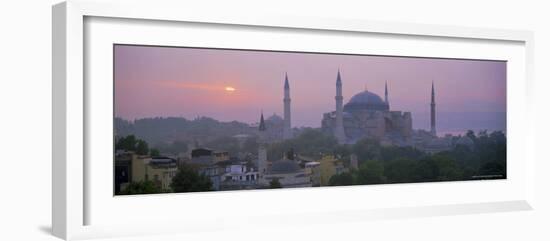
{"points": [[229, 89]]}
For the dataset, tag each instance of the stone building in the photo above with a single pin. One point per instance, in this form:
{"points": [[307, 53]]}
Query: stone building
{"points": [[366, 115], [330, 166], [288, 172], [131, 167], [238, 175], [274, 128]]}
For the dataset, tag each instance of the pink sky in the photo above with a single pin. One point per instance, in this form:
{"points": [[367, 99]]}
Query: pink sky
{"points": [[190, 82]]}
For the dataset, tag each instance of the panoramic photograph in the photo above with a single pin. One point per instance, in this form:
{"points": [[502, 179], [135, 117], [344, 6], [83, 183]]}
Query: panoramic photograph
{"points": [[192, 119]]}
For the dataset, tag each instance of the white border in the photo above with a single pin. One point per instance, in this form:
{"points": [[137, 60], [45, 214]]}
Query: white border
{"points": [[104, 210], [68, 116]]}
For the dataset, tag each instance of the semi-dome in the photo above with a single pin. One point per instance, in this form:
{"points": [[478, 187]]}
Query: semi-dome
{"points": [[365, 101]]}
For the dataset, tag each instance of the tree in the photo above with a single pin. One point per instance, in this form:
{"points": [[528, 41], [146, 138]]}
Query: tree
{"points": [[425, 170], [465, 156], [399, 170], [342, 179], [389, 153], [154, 152], [188, 179], [144, 187], [447, 168], [127, 143], [371, 172], [472, 135], [142, 148], [275, 183], [367, 149], [342, 151], [131, 143], [493, 170]]}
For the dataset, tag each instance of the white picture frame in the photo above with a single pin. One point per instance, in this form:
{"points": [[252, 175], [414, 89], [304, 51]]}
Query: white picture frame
{"points": [[72, 192]]}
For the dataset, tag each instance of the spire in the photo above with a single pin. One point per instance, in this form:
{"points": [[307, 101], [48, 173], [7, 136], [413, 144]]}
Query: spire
{"points": [[338, 84], [339, 125], [386, 92], [286, 81], [338, 78], [262, 149], [262, 122], [287, 127]]}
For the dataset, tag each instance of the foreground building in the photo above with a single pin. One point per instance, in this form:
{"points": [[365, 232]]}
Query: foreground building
{"points": [[130, 167], [330, 166], [289, 174], [238, 175]]}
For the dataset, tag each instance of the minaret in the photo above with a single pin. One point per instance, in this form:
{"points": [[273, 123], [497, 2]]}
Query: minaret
{"points": [[432, 105], [287, 131], [262, 147], [386, 95], [339, 128]]}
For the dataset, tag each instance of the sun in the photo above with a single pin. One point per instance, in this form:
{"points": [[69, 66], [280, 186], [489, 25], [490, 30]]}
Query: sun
{"points": [[229, 89]]}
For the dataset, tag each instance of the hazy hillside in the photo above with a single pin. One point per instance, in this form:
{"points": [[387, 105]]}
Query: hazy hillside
{"points": [[164, 131]]}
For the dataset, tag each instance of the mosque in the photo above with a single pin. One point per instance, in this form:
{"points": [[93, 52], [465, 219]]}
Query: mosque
{"points": [[365, 115]]}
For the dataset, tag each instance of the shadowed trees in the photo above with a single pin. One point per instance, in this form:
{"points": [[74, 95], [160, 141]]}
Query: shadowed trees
{"points": [[154, 152], [370, 172], [144, 187], [485, 159], [188, 179], [275, 184], [131, 143]]}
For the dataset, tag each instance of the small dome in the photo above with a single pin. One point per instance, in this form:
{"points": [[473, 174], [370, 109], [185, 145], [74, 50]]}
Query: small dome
{"points": [[366, 101], [275, 118]]}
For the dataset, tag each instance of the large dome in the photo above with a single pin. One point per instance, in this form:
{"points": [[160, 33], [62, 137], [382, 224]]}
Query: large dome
{"points": [[365, 101]]}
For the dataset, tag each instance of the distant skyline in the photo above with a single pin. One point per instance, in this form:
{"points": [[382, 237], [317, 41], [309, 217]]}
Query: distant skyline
{"points": [[236, 85]]}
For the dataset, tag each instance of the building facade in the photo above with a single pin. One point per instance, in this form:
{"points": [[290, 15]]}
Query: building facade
{"points": [[330, 166], [130, 167]]}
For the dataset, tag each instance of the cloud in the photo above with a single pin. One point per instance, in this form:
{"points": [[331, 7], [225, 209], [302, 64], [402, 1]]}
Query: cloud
{"points": [[192, 86]]}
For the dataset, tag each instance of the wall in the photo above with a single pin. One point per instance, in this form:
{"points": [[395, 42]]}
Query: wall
{"points": [[25, 129]]}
